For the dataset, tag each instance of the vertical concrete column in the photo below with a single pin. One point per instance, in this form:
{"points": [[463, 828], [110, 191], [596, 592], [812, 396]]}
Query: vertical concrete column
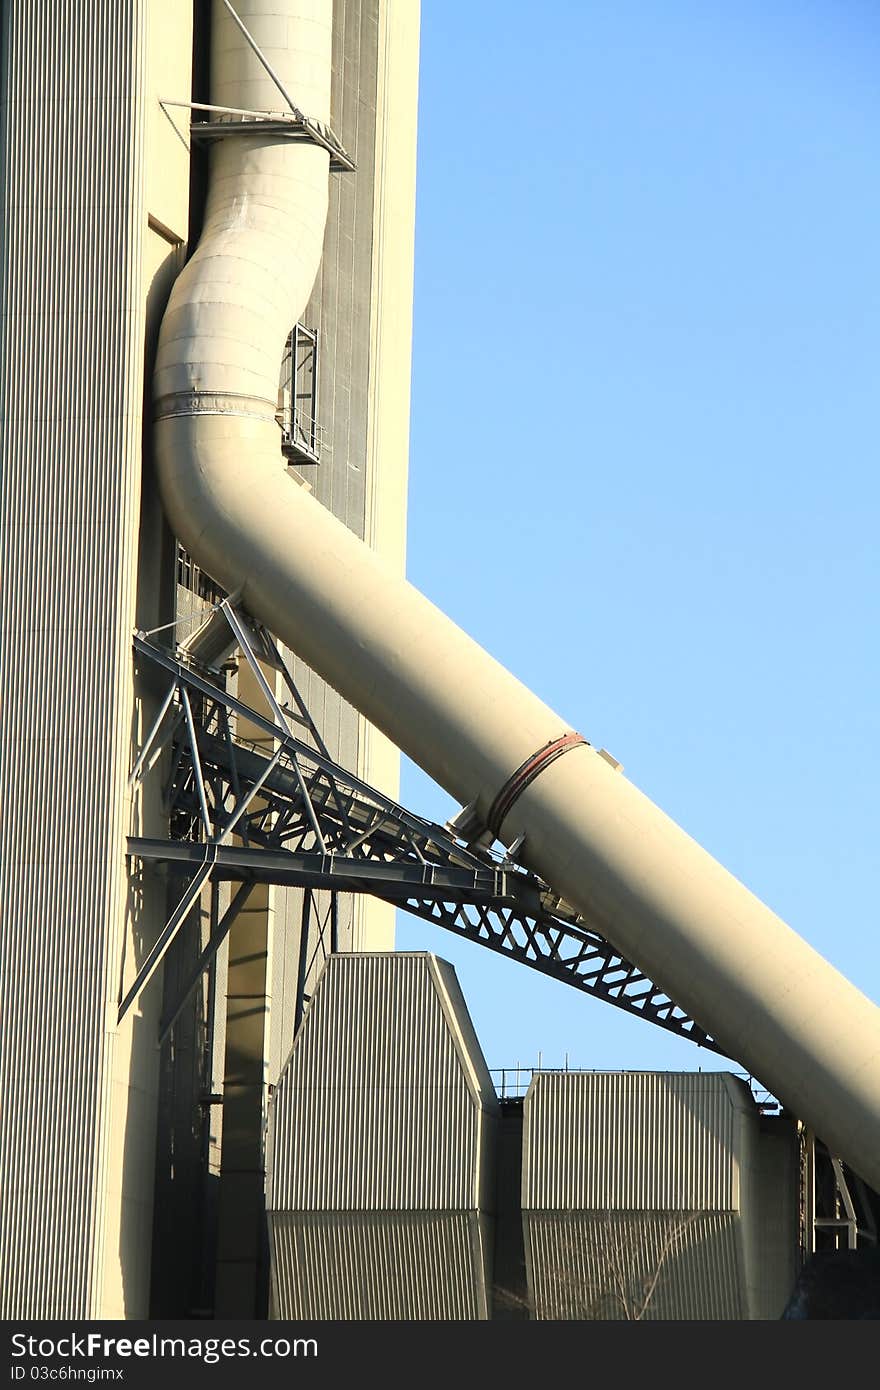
{"points": [[242, 1273]]}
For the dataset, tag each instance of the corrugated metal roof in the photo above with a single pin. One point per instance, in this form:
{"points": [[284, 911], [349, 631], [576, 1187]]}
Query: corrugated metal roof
{"points": [[415, 1268], [383, 1105], [649, 1141], [610, 1267]]}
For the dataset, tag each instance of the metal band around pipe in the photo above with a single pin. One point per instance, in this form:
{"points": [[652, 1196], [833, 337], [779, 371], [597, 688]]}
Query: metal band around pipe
{"points": [[525, 774]]}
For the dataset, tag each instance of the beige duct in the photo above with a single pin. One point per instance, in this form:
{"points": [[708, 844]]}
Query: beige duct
{"points": [[770, 1000]]}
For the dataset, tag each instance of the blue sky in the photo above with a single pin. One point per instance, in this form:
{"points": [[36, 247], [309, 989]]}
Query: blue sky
{"points": [[644, 441]]}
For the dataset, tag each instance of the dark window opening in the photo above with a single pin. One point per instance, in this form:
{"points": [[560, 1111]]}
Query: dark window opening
{"points": [[298, 397]]}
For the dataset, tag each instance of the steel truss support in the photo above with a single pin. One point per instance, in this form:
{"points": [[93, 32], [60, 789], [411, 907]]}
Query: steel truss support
{"points": [[836, 1208], [299, 819], [327, 926]]}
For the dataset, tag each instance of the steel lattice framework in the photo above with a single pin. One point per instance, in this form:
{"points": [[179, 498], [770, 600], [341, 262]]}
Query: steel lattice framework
{"points": [[274, 808]]}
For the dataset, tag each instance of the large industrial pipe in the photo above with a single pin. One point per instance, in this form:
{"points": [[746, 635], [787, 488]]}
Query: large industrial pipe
{"points": [[768, 998]]}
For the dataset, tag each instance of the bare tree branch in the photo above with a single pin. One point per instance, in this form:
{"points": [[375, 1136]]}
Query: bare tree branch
{"points": [[613, 1257]]}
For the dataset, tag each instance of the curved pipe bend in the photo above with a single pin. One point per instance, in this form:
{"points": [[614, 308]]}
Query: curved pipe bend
{"points": [[749, 980]]}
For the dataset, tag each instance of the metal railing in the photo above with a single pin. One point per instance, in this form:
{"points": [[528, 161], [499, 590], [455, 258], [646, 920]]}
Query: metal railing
{"points": [[511, 1083]]}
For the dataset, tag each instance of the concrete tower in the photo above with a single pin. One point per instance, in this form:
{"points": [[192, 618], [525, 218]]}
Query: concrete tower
{"points": [[102, 200]]}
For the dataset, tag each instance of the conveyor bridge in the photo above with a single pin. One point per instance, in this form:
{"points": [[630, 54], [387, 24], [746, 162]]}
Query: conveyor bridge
{"points": [[275, 808]]}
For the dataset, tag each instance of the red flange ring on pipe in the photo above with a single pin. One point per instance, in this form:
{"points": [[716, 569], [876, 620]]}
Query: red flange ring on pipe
{"points": [[525, 774]]}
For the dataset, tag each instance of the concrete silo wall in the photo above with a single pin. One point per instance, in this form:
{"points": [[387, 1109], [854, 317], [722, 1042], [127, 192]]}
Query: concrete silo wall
{"points": [[93, 219]]}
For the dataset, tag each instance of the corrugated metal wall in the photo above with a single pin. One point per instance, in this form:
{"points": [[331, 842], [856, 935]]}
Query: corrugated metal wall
{"points": [[382, 1126], [327, 1267], [379, 1107], [632, 1195], [603, 1267], [71, 150], [633, 1140]]}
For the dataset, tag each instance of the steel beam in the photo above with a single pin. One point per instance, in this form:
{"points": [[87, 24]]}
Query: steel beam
{"points": [[319, 827]]}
